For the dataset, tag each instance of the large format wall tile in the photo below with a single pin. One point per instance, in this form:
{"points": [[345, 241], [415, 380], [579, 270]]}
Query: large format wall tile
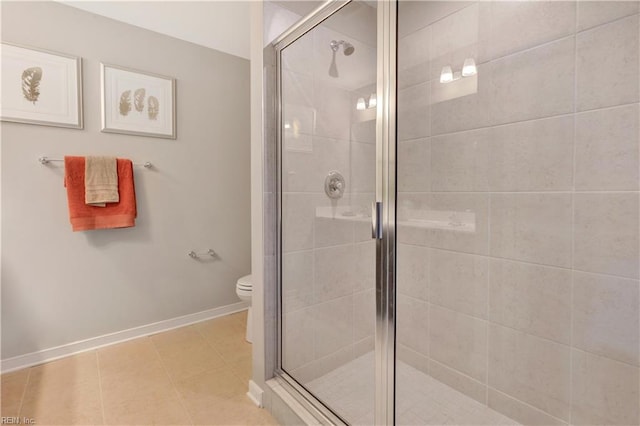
{"points": [[333, 111], [604, 391], [608, 67], [592, 13], [458, 281], [298, 213], [452, 239], [606, 234], [363, 123], [530, 369], [414, 165], [333, 325], [460, 382], [364, 314], [532, 227], [332, 232], [535, 83], [414, 15], [363, 167], [459, 161], [364, 265], [297, 89], [296, 57], [305, 171], [519, 411], [531, 298], [467, 112], [519, 25], [413, 112], [606, 316], [458, 341], [413, 58], [459, 36], [412, 358], [413, 271], [334, 272], [412, 325], [297, 280], [297, 339], [607, 143], [532, 156]]}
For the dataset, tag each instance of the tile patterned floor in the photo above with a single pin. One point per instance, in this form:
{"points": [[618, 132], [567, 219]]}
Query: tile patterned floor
{"points": [[194, 375], [421, 400]]}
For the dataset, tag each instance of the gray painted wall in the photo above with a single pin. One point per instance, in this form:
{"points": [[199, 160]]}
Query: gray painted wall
{"points": [[59, 286]]}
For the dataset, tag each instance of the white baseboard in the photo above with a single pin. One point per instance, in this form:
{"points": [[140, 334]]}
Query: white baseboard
{"points": [[46, 355], [255, 393]]}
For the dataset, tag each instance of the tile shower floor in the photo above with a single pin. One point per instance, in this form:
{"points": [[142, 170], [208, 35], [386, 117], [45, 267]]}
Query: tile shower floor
{"points": [[421, 400], [194, 375]]}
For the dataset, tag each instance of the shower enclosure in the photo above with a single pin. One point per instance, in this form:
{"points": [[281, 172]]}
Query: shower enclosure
{"points": [[456, 226]]}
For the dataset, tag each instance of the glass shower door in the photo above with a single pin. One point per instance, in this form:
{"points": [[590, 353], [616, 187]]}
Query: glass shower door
{"points": [[327, 184], [518, 221]]}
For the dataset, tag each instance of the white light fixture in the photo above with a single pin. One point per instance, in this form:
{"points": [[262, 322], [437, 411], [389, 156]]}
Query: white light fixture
{"points": [[373, 101], [287, 125], [446, 75], [361, 106], [469, 68]]}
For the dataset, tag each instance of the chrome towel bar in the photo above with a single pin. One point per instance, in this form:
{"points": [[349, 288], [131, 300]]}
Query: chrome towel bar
{"points": [[192, 254], [46, 160]]}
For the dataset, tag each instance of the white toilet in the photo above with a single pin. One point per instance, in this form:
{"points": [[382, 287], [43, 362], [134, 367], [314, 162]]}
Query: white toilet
{"points": [[244, 288]]}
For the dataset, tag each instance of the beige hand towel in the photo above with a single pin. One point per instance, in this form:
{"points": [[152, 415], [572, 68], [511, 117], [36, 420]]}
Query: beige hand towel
{"points": [[100, 181]]}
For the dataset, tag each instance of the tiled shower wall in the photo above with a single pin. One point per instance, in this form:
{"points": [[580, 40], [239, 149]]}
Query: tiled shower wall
{"points": [[536, 311], [328, 261]]}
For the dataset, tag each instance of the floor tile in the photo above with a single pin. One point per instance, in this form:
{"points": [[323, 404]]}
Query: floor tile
{"points": [[196, 374], [184, 353], [238, 410], [64, 392], [13, 386], [150, 411]]}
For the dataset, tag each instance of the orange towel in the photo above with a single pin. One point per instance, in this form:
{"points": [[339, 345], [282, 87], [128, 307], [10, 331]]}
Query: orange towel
{"points": [[115, 215]]}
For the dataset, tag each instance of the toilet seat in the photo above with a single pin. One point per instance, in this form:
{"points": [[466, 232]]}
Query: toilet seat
{"points": [[245, 282]]}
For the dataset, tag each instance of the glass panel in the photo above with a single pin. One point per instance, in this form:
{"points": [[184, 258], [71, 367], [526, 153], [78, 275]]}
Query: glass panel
{"points": [[328, 183], [518, 222]]}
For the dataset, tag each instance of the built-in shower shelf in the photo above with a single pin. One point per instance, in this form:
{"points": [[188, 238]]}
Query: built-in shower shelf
{"points": [[448, 220]]}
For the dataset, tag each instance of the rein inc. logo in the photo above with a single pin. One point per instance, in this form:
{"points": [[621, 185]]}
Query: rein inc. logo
{"points": [[17, 421]]}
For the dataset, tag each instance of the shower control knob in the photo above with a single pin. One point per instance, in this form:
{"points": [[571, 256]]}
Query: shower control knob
{"points": [[334, 185]]}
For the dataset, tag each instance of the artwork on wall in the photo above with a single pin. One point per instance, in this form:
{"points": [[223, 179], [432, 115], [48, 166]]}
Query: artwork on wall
{"points": [[138, 103], [41, 87]]}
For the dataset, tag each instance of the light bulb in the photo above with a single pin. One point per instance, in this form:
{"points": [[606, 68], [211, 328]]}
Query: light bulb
{"points": [[446, 75], [361, 106], [373, 100], [469, 68]]}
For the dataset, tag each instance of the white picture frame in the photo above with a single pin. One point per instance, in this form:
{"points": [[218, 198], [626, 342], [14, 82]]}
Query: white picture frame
{"points": [[137, 102], [40, 87]]}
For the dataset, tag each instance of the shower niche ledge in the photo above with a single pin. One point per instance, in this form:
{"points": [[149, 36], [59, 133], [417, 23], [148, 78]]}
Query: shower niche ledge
{"points": [[450, 220]]}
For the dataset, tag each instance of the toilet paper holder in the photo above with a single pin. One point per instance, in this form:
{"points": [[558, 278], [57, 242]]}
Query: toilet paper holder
{"points": [[192, 254]]}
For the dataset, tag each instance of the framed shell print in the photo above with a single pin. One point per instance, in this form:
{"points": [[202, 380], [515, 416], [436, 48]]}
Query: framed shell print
{"points": [[137, 102]]}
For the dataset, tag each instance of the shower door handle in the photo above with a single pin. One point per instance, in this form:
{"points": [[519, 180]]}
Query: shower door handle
{"points": [[376, 220]]}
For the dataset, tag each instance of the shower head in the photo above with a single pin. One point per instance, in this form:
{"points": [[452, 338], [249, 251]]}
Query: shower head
{"points": [[347, 48]]}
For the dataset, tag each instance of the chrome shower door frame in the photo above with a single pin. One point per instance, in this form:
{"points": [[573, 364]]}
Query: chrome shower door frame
{"points": [[385, 194], [385, 341]]}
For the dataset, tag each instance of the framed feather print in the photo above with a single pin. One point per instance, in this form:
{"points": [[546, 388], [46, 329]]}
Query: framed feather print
{"points": [[40, 87], [138, 103]]}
